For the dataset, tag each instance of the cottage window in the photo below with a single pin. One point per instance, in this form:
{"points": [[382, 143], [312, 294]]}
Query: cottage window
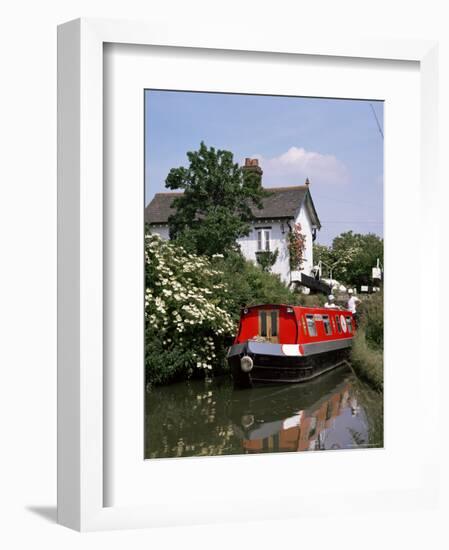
{"points": [[267, 240], [327, 325], [263, 240], [311, 327]]}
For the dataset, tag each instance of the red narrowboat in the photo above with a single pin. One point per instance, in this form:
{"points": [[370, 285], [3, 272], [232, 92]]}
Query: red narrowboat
{"points": [[280, 343]]}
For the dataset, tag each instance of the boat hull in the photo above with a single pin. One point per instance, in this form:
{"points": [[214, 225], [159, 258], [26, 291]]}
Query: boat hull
{"points": [[274, 363]]}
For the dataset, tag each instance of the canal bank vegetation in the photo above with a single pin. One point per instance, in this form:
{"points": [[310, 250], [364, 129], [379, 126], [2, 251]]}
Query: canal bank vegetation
{"points": [[352, 256], [197, 283], [367, 346], [186, 313], [192, 308]]}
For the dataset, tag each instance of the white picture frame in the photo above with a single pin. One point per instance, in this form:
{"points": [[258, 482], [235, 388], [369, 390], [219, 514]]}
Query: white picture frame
{"points": [[81, 404]]}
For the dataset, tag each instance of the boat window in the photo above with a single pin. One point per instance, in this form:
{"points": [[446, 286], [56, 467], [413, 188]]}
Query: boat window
{"points": [[269, 324], [263, 323], [349, 323], [274, 323], [327, 325], [311, 327], [337, 319]]}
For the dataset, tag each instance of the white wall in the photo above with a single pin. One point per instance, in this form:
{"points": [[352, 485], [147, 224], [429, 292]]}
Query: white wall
{"points": [[249, 245], [161, 230], [278, 241], [306, 228]]}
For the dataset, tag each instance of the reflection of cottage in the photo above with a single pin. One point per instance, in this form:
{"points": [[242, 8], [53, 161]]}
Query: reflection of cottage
{"points": [[328, 424], [285, 207]]}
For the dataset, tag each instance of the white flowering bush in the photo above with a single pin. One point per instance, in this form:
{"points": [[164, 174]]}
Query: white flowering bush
{"points": [[187, 324]]}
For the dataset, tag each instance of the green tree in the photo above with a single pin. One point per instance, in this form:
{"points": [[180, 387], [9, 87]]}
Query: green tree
{"points": [[267, 258], [363, 253], [352, 256], [323, 253], [215, 207]]}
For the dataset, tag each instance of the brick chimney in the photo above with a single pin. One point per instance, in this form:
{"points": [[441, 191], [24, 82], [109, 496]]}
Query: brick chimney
{"points": [[252, 165]]}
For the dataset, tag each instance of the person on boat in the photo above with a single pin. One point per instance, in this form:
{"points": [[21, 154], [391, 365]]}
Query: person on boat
{"points": [[330, 304], [352, 305]]}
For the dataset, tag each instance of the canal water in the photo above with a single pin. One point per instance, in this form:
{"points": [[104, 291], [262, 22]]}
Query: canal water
{"points": [[206, 418]]}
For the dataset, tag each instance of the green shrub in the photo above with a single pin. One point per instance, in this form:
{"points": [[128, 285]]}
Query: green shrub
{"points": [[310, 300], [367, 346], [187, 324], [372, 319], [366, 361], [266, 259], [248, 284]]}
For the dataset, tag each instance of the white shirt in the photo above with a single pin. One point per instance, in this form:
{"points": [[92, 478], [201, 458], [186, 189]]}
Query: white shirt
{"points": [[352, 304], [330, 305]]}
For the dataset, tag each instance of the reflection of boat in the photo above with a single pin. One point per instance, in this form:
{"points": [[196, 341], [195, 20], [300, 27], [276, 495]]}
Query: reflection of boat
{"points": [[293, 419], [279, 343]]}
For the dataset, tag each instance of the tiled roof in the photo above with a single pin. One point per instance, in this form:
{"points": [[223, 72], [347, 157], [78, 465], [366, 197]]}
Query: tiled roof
{"points": [[283, 202], [159, 209]]}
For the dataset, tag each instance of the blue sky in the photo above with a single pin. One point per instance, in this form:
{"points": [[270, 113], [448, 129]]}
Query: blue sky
{"points": [[335, 143]]}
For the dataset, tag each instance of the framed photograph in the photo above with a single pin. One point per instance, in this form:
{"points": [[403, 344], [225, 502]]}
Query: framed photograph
{"points": [[242, 327], [260, 299]]}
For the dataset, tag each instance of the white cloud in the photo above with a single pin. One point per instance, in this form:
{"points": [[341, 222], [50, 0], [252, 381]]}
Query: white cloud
{"points": [[297, 164]]}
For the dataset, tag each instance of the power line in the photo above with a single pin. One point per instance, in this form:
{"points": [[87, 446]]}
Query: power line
{"points": [[372, 222], [377, 120], [333, 199]]}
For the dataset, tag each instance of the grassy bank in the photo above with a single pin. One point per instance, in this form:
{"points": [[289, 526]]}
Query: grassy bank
{"points": [[367, 348], [366, 361]]}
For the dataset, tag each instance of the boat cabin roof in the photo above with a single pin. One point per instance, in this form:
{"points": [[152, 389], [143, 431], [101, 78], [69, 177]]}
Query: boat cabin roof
{"points": [[316, 309]]}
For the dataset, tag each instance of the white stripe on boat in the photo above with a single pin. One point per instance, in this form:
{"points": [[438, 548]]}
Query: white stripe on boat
{"points": [[291, 349]]}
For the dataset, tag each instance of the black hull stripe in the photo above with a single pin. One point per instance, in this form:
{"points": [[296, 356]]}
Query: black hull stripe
{"points": [[255, 378]]}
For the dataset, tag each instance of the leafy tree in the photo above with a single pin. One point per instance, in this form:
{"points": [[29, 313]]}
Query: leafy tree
{"points": [[322, 253], [352, 257], [215, 207], [336, 263], [266, 259], [364, 251], [248, 285]]}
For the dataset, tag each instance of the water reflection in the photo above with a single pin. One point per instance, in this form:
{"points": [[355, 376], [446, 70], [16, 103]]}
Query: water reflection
{"points": [[201, 418]]}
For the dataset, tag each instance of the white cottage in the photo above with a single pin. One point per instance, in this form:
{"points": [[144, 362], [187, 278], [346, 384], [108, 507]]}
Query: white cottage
{"points": [[285, 207]]}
